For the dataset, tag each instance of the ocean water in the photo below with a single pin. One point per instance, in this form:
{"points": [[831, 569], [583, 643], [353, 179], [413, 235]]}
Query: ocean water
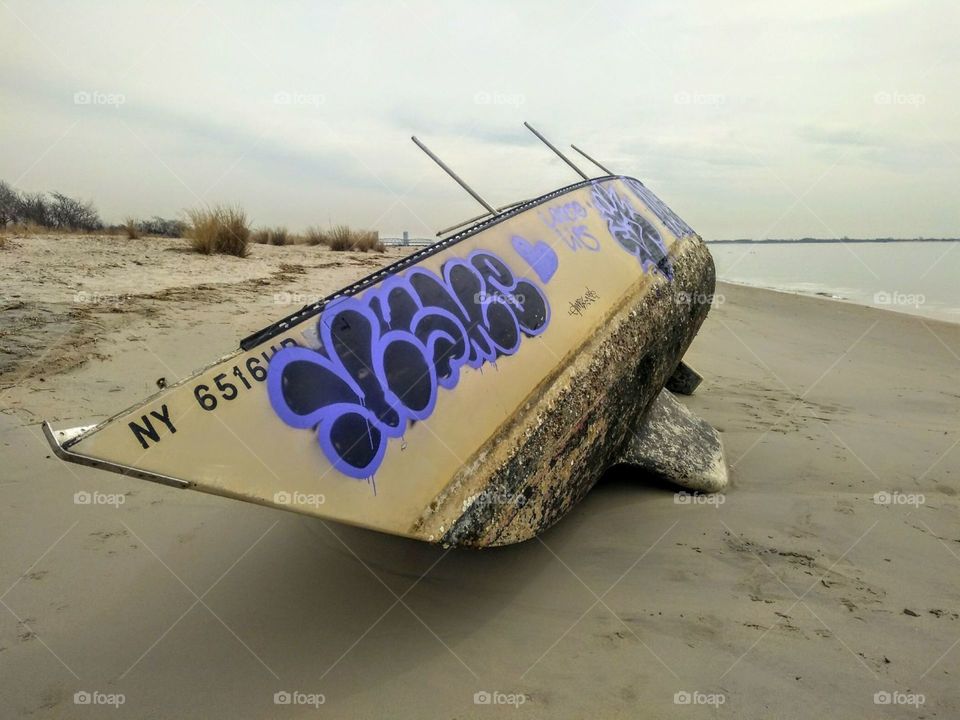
{"points": [[922, 278]]}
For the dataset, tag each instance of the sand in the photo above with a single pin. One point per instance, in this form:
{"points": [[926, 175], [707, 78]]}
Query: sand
{"points": [[796, 594]]}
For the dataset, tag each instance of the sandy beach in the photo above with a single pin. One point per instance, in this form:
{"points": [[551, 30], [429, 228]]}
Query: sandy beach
{"points": [[826, 574]]}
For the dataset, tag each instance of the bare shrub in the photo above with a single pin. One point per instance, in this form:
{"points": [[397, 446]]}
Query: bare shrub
{"points": [[132, 228], [219, 229], [273, 236], [36, 209], [316, 236], [163, 227], [364, 240], [280, 236], [67, 213], [342, 237]]}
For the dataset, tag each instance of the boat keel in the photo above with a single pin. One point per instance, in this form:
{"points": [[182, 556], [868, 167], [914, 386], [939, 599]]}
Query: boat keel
{"points": [[679, 446]]}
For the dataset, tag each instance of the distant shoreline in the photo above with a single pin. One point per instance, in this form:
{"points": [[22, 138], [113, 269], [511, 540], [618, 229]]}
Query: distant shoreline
{"points": [[846, 300], [810, 241]]}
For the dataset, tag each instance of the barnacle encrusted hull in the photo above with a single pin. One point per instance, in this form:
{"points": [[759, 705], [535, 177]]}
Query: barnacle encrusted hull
{"points": [[582, 418], [468, 394]]}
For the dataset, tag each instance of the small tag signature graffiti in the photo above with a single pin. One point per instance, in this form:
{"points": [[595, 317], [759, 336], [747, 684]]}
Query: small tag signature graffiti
{"points": [[581, 303]]}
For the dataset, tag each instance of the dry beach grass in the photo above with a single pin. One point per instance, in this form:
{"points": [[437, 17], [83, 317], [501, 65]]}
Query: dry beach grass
{"points": [[219, 230]]}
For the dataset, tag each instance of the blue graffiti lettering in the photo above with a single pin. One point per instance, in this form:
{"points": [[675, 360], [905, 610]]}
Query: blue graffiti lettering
{"points": [[631, 230], [563, 221], [385, 354], [668, 217]]}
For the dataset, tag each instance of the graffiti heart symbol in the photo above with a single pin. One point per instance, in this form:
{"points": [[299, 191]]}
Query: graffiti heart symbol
{"points": [[539, 256]]}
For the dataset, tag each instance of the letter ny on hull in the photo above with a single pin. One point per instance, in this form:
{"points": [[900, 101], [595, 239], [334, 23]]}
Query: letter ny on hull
{"points": [[406, 403]]}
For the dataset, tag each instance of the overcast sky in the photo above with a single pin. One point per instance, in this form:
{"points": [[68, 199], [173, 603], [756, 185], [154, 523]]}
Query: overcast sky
{"points": [[751, 119]]}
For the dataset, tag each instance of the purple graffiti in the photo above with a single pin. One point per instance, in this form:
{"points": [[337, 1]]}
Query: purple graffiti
{"points": [[385, 354], [631, 230], [539, 256], [668, 217], [563, 221]]}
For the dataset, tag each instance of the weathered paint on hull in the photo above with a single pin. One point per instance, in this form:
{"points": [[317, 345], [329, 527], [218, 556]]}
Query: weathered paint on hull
{"points": [[509, 361]]}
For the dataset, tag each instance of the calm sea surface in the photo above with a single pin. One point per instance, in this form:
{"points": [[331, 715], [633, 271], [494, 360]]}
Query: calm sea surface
{"points": [[915, 277]]}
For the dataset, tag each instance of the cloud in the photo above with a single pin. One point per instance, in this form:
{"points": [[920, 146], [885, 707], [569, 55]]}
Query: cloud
{"points": [[714, 104], [843, 136]]}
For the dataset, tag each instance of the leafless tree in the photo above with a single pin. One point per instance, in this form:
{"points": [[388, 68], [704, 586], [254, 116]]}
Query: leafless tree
{"points": [[69, 213], [34, 208], [9, 204]]}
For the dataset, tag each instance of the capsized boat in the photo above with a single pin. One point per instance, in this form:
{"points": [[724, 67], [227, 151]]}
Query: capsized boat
{"points": [[468, 394]]}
